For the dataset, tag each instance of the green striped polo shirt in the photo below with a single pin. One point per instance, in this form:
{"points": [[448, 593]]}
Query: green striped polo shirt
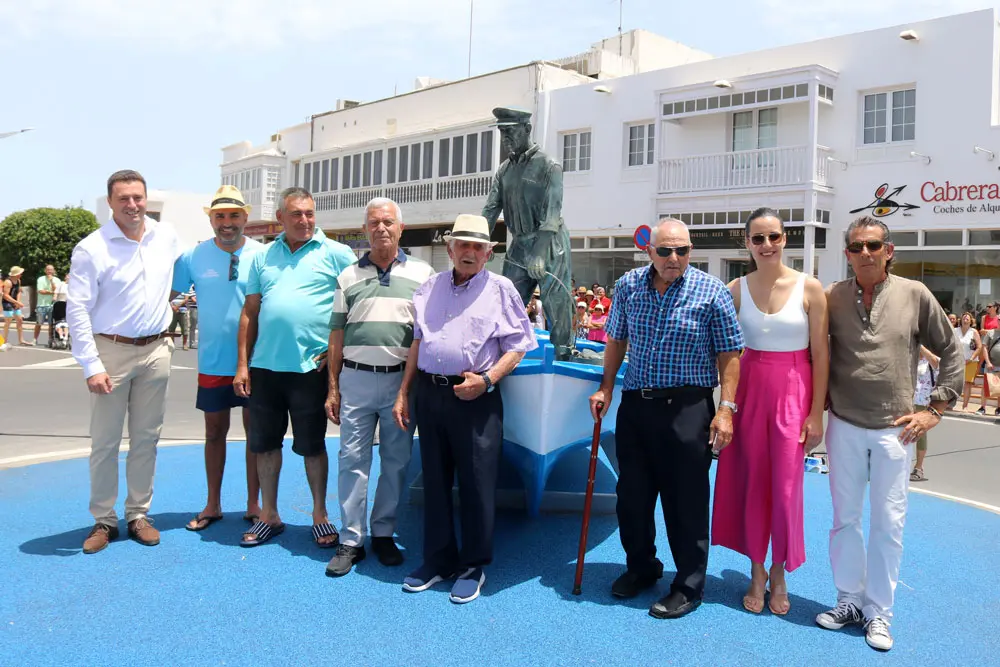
{"points": [[375, 309]]}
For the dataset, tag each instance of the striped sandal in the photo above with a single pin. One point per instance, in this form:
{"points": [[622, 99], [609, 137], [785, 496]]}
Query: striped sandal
{"points": [[325, 530], [261, 532]]}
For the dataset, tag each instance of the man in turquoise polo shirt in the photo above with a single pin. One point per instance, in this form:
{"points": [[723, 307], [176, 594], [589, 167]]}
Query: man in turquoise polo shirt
{"points": [[218, 268], [283, 337]]}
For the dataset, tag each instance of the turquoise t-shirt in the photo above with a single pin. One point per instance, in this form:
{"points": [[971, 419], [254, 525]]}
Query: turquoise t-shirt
{"points": [[220, 300], [296, 301]]}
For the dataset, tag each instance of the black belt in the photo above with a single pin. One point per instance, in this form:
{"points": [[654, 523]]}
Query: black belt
{"points": [[687, 391], [443, 380], [142, 340], [374, 369]]}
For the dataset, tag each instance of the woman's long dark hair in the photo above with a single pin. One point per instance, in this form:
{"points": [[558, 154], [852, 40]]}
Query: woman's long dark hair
{"points": [[762, 212]]}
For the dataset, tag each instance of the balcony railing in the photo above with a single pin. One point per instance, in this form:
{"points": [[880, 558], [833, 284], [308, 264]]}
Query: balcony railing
{"points": [[438, 189], [764, 167]]}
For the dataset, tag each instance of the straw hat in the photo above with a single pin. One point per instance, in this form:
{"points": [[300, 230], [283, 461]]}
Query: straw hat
{"points": [[471, 228], [15, 271], [227, 197]]}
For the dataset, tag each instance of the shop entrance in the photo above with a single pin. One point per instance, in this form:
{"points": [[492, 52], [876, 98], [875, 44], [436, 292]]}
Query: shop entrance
{"points": [[736, 268]]}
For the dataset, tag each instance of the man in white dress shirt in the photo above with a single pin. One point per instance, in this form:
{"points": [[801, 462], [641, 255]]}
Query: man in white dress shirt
{"points": [[118, 311]]}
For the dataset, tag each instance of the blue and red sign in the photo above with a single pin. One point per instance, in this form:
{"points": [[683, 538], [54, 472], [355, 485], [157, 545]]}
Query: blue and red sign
{"points": [[642, 236]]}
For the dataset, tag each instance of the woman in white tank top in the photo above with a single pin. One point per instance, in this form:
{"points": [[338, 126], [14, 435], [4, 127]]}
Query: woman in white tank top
{"points": [[780, 398]]}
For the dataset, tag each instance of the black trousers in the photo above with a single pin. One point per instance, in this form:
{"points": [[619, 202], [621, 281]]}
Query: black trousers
{"points": [[663, 449], [464, 437]]}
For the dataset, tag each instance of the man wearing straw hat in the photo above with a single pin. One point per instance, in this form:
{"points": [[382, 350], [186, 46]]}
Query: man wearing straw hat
{"points": [[528, 188], [218, 270], [470, 331]]}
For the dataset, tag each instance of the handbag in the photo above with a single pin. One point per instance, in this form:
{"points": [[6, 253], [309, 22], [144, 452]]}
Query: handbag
{"points": [[991, 382]]}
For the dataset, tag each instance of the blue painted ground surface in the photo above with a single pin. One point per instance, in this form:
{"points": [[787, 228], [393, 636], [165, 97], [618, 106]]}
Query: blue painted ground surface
{"points": [[199, 599]]}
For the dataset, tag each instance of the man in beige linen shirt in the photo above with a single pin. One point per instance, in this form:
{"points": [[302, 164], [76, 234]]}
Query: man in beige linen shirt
{"points": [[878, 322]]}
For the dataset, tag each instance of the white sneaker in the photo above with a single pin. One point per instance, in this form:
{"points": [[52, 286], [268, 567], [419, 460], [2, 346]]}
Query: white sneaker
{"points": [[877, 634], [4, 347]]}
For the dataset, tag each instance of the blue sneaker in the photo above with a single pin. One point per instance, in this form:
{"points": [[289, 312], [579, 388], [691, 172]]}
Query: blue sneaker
{"points": [[423, 578], [467, 588]]}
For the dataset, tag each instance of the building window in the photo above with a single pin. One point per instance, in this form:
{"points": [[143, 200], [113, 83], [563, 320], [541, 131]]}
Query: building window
{"points": [[356, 171], [334, 172], [879, 127], [641, 143], [316, 176], [457, 150], [471, 153], [576, 151], [346, 183], [391, 168], [415, 162], [404, 164], [444, 150], [295, 178], [377, 175], [307, 176], [428, 159], [367, 166], [486, 151], [325, 183]]}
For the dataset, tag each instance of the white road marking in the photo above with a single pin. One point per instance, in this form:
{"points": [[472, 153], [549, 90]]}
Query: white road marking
{"points": [[958, 499]]}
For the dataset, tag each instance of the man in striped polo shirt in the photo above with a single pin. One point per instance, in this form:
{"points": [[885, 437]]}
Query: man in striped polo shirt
{"points": [[370, 337]]}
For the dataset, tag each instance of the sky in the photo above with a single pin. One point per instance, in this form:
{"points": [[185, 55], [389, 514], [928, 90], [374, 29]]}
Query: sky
{"points": [[161, 85]]}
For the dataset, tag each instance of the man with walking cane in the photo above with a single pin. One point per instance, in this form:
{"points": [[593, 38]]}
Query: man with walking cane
{"points": [[680, 328]]}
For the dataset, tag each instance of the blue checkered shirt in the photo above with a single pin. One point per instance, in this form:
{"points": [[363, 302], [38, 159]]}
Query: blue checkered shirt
{"points": [[673, 340]]}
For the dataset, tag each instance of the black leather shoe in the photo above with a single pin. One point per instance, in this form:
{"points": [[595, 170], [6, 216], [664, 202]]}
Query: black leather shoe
{"points": [[631, 583], [674, 605], [387, 551], [344, 560]]}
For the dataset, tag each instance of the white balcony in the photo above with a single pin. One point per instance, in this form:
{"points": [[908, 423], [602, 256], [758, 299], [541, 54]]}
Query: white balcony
{"points": [[432, 200], [761, 168]]}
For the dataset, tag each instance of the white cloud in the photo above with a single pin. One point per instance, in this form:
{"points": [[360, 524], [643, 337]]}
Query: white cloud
{"points": [[217, 24]]}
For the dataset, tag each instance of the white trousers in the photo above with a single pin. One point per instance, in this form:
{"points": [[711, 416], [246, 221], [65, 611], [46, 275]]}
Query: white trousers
{"points": [[860, 456]]}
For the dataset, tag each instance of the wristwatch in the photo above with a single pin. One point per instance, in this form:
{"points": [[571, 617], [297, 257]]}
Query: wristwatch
{"points": [[489, 383], [729, 404]]}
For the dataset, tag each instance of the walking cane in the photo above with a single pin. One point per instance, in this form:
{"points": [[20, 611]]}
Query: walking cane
{"points": [[587, 502]]}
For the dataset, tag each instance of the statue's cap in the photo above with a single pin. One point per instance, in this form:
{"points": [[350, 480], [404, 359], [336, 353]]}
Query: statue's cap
{"points": [[511, 116]]}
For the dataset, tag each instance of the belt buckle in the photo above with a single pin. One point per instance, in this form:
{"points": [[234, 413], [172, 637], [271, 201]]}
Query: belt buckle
{"points": [[645, 393], [443, 383]]}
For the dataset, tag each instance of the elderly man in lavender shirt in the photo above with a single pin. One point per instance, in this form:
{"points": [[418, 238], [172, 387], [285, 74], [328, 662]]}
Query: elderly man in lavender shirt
{"points": [[470, 330]]}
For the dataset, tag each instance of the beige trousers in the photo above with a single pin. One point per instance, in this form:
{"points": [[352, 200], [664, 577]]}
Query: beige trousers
{"points": [[139, 375]]}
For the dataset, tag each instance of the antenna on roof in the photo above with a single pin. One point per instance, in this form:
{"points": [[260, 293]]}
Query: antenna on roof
{"points": [[472, 4], [620, 3]]}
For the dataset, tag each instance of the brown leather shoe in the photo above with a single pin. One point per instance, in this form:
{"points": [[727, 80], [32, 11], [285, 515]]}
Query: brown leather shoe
{"points": [[142, 531], [99, 537]]}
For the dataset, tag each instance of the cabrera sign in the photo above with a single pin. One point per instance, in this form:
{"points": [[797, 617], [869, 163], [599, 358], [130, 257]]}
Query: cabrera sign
{"points": [[949, 198]]}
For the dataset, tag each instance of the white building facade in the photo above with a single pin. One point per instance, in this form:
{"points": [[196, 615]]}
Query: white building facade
{"points": [[899, 123], [433, 150]]}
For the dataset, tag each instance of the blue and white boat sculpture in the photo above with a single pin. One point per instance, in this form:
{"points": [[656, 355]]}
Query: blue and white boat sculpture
{"points": [[547, 413]]}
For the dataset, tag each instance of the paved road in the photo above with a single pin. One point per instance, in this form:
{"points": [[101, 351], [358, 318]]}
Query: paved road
{"points": [[44, 407]]}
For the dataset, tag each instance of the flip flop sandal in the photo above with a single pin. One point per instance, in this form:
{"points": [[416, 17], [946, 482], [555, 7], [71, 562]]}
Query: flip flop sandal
{"points": [[262, 532], [252, 518], [199, 518], [324, 530]]}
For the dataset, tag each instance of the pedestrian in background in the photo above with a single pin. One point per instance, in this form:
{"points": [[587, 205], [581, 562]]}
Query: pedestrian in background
{"points": [[45, 287]]}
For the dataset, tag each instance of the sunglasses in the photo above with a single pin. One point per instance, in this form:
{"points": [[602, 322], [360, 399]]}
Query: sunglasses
{"points": [[234, 267], [873, 246], [773, 237], [667, 252]]}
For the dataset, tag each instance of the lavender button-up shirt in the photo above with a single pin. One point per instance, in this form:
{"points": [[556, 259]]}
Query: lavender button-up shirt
{"points": [[468, 327]]}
